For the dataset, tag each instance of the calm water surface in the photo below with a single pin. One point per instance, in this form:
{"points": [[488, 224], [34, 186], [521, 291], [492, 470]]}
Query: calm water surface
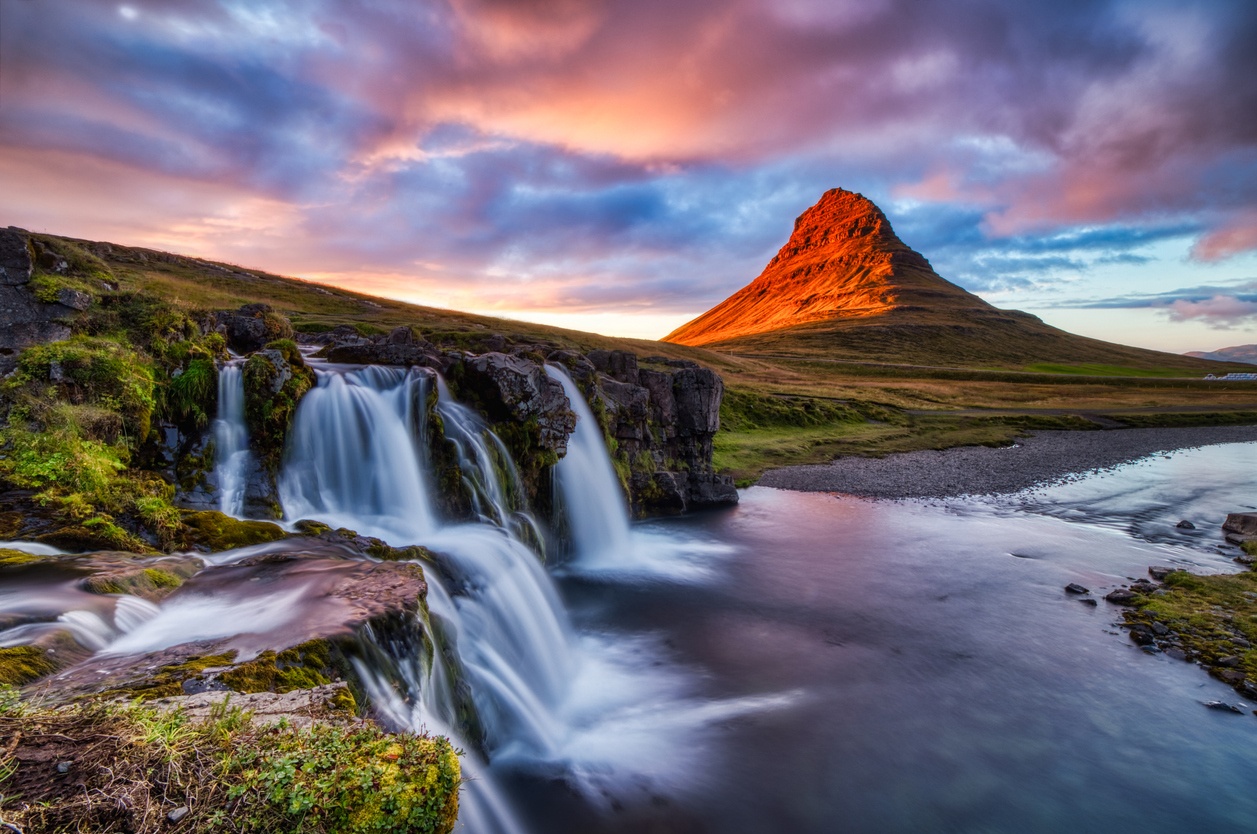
{"points": [[833, 664]]}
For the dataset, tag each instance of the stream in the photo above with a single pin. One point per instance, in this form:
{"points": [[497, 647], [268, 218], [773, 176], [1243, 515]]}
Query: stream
{"points": [[802, 662]]}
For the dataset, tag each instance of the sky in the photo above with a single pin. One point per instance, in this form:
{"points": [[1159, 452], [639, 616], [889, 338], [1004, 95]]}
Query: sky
{"points": [[623, 165]]}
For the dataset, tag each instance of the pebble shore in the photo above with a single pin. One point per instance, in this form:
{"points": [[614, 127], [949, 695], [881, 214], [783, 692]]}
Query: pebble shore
{"points": [[1040, 458]]}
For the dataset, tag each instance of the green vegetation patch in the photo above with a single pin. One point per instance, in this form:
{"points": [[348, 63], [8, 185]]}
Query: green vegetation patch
{"points": [[1212, 619], [301, 667], [130, 765], [13, 558], [1099, 369], [150, 583], [19, 665], [275, 380], [219, 531]]}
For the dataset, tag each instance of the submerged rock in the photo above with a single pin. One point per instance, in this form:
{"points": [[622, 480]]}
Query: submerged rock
{"points": [[1121, 596], [1224, 706], [1185, 525], [1075, 588]]}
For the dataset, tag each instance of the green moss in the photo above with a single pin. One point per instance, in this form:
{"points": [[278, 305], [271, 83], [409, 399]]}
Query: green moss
{"points": [[229, 773], [20, 665], [94, 534], [150, 583], [192, 396], [309, 527], [1209, 617], [95, 371], [12, 558], [218, 531], [167, 681], [350, 780], [303, 667], [270, 401]]}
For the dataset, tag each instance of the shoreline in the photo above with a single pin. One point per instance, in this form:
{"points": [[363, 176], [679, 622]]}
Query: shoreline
{"points": [[1037, 459]]}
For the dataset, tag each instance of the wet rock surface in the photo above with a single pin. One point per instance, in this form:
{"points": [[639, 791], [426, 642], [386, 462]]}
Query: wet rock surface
{"points": [[297, 596], [1042, 458], [299, 708], [663, 415]]}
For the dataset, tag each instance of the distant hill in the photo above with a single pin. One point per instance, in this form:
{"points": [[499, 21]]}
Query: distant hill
{"points": [[846, 287], [1238, 353]]}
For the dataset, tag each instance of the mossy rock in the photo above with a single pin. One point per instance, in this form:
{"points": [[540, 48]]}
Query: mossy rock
{"points": [[218, 531], [302, 667], [19, 665], [309, 527], [150, 583], [275, 380], [10, 558], [84, 539], [167, 681], [11, 524]]}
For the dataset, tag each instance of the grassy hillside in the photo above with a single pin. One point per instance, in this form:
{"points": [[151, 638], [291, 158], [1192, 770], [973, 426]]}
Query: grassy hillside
{"points": [[916, 380]]}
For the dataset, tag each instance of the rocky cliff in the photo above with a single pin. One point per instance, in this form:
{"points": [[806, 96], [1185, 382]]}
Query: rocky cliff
{"points": [[27, 315], [659, 415]]}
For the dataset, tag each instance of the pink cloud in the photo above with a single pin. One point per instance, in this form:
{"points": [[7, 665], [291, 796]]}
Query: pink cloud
{"points": [[1237, 235], [1221, 311]]}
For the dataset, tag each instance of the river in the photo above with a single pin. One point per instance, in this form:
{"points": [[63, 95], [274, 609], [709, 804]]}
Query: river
{"points": [[804, 662], [919, 667]]}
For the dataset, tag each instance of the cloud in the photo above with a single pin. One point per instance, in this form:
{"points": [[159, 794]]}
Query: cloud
{"points": [[1221, 311], [1221, 307], [632, 152]]}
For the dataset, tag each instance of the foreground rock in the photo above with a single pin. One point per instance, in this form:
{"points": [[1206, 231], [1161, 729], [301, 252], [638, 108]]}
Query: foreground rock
{"points": [[1208, 620], [308, 612]]}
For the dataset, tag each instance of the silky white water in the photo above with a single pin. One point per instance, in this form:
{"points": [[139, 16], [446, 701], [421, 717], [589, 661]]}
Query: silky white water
{"points": [[232, 458], [596, 510], [352, 458]]}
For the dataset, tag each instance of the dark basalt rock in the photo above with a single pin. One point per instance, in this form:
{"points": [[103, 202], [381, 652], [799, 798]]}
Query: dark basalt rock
{"points": [[1223, 706], [362, 352], [24, 320], [1160, 572], [1121, 596], [1185, 525], [1075, 588], [516, 388], [251, 327], [663, 419], [1240, 526]]}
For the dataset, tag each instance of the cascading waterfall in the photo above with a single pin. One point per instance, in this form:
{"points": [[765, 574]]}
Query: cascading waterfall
{"points": [[488, 472], [596, 510], [354, 459], [353, 456], [232, 458]]}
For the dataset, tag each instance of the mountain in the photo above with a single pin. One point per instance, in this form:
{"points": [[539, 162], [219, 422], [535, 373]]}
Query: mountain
{"points": [[1238, 353], [846, 287]]}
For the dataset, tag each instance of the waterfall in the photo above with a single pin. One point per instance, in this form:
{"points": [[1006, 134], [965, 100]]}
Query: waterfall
{"points": [[232, 458], [354, 459], [354, 456], [596, 511], [488, 472]]}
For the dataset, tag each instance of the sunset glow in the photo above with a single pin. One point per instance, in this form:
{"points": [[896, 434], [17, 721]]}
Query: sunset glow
{"points": [[622, 166]]}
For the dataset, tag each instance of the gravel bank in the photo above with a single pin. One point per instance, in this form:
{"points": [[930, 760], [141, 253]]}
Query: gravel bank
{"points": [[977, 470]]}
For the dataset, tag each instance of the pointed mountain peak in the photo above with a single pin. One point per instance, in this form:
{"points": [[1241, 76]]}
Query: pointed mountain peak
{"points": [[842, 261]]}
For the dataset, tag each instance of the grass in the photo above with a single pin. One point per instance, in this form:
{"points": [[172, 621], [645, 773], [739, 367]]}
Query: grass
{"points": [[1211, 619], [1100, 369], [922, 366], [130, 766]]}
